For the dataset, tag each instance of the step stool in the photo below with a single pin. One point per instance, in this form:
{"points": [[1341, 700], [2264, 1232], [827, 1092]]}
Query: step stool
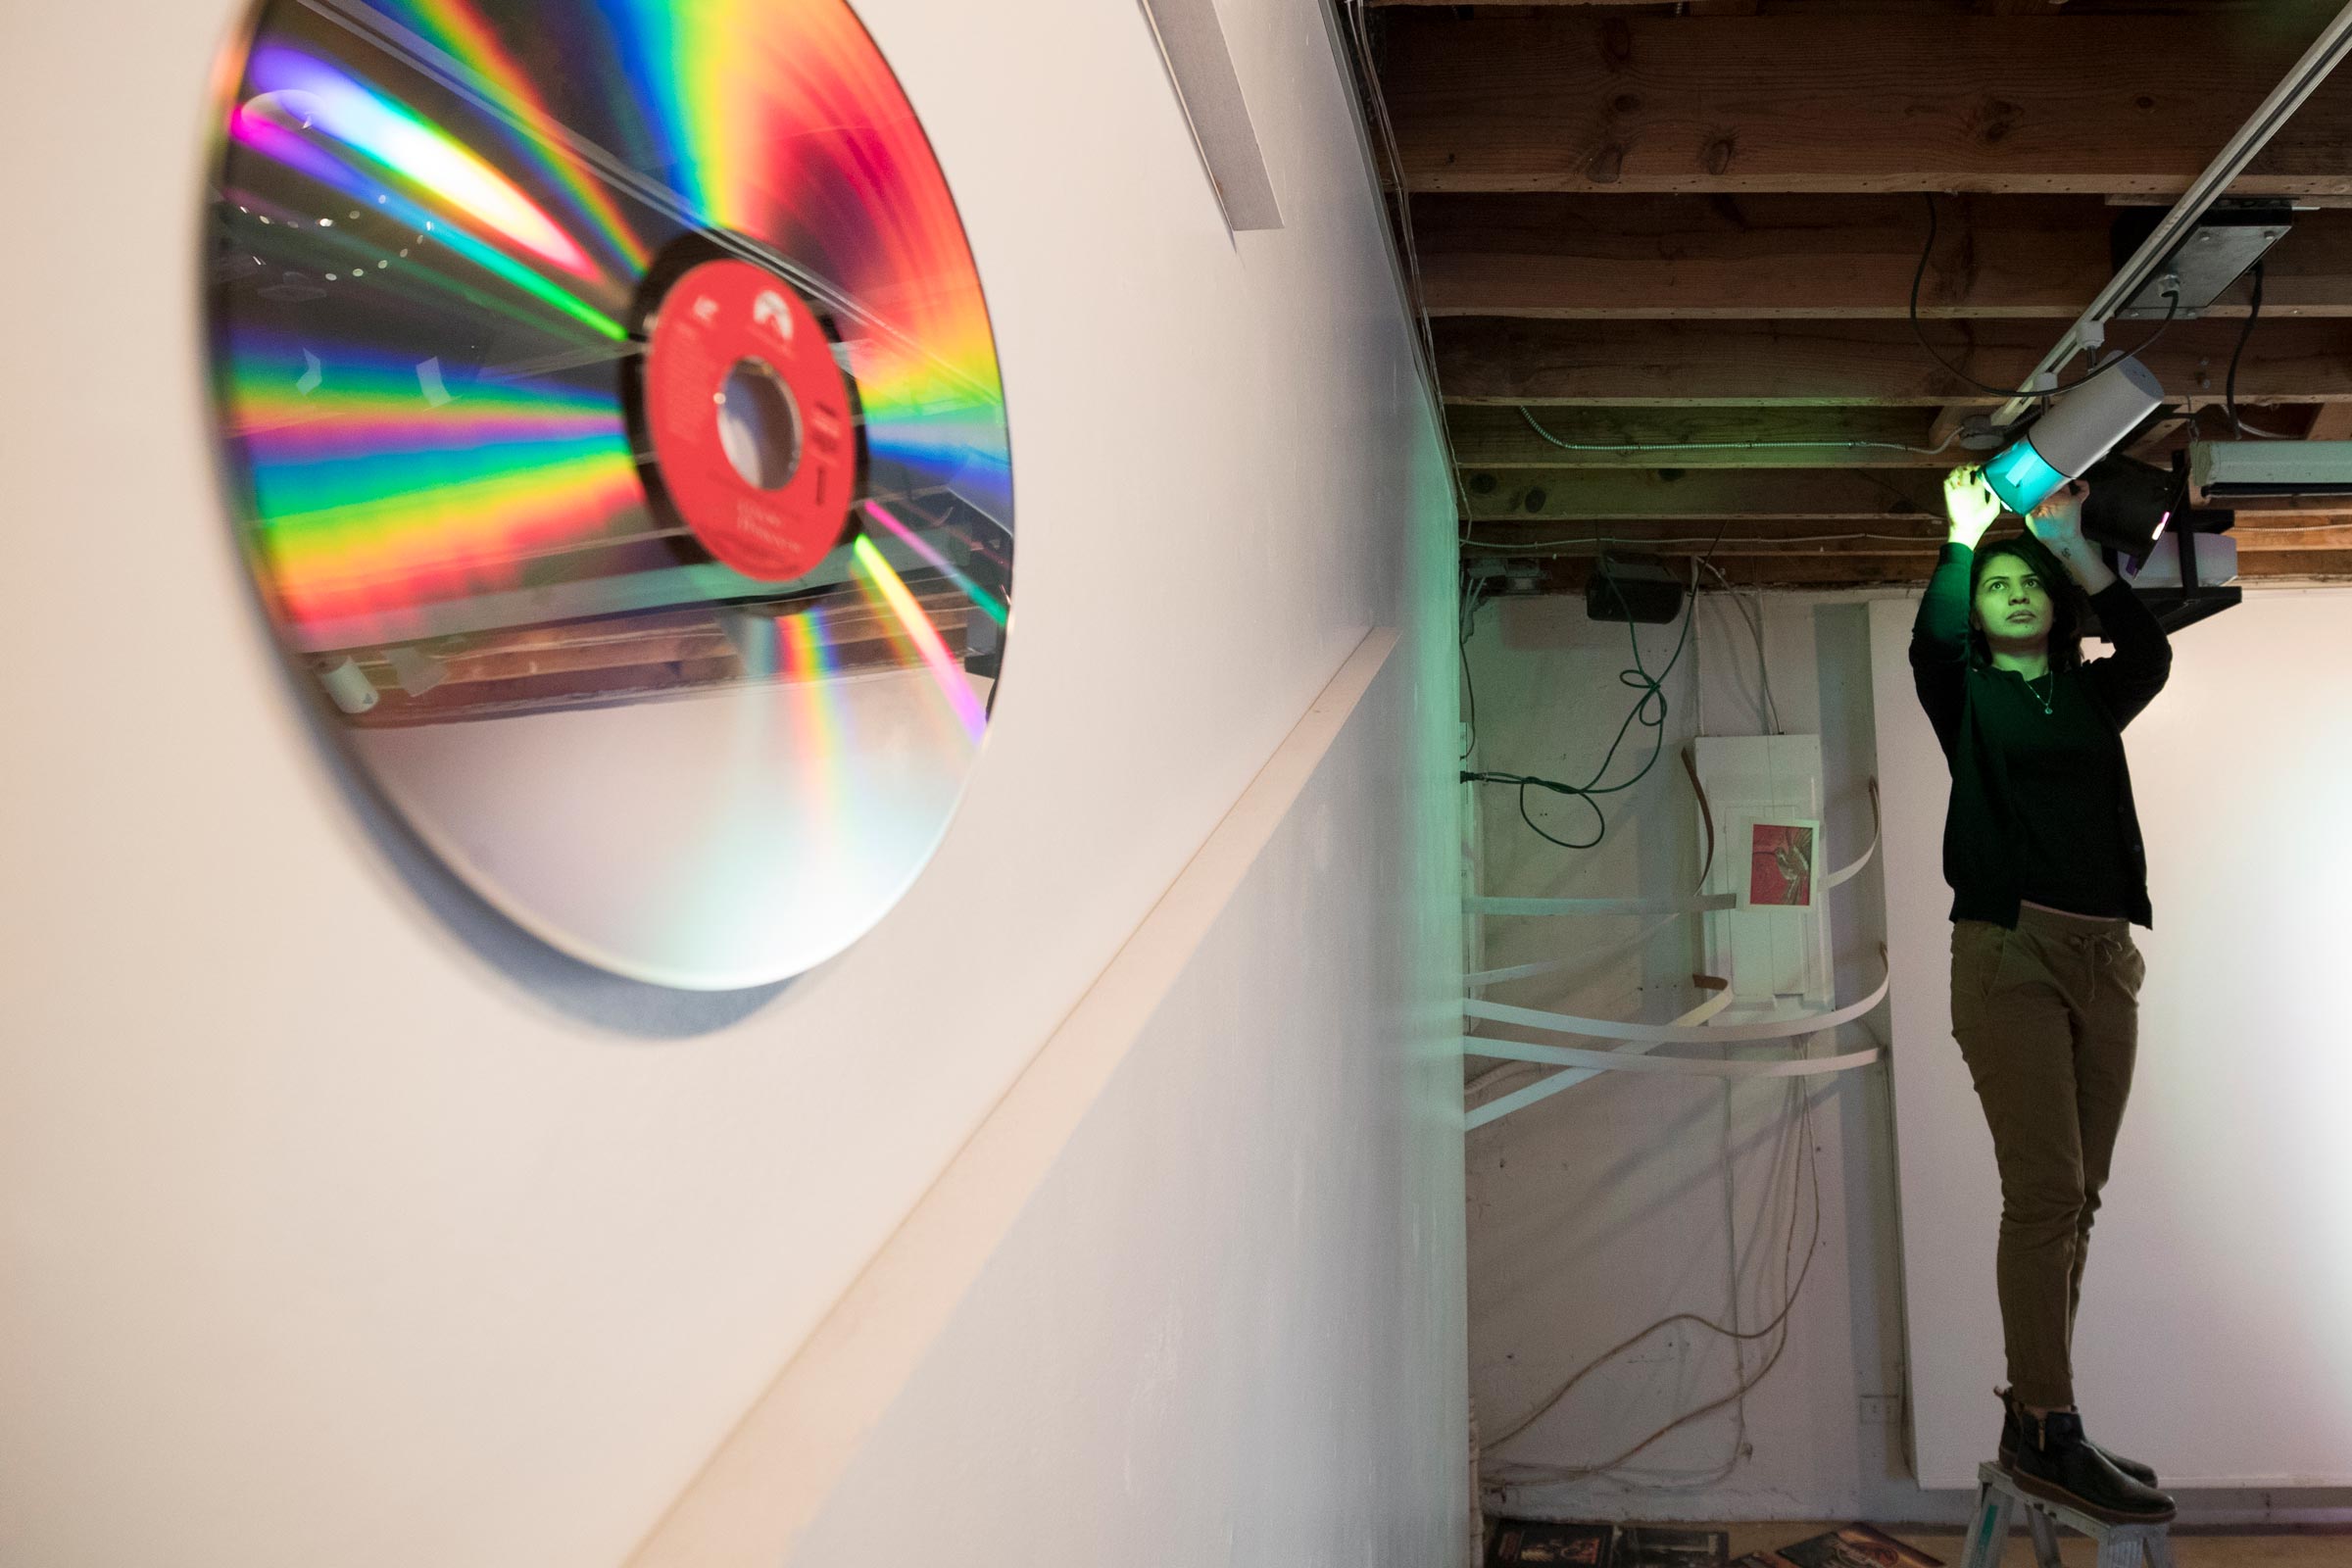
{"points": [[2119, 1545]]}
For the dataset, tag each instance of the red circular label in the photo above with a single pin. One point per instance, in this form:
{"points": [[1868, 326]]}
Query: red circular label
{"points": [[730, 324]]}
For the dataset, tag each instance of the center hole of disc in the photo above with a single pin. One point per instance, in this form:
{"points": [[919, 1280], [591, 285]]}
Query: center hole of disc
{"points": [[759, 425]]}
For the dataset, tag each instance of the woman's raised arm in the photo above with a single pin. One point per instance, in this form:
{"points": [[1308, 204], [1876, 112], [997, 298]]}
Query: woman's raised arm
{"points": [[1939, 632]]}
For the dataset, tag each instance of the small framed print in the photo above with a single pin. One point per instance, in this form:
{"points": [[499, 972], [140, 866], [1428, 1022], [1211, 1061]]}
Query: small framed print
{"points": [[1783, 862]]}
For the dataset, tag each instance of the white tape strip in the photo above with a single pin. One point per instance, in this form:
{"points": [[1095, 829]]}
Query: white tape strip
{"points": [[1691, 1067], [1677, 1032], [1706, 901], [1593, 958], [1545, 1087], [1577, 1065]]}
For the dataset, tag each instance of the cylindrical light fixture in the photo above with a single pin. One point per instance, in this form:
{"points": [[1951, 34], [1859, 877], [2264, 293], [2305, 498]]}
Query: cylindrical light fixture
{"points": [[2082, 427]]}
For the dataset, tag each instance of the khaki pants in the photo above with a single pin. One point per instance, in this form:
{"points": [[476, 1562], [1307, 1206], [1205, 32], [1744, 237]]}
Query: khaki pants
{"points": [[2047, 1018]]}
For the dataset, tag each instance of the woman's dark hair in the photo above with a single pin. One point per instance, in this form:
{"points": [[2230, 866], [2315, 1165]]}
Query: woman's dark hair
{"points": [[2066, 600]]}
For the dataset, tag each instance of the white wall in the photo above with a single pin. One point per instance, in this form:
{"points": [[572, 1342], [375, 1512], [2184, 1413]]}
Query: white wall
{"points": [[1209, 1337], [342, 1226], [1598, 1211]]}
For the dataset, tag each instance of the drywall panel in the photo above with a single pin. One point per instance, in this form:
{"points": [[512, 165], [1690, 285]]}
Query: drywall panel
{"points": [[1228, 1328], [2210, 1338], [341, 1225]]}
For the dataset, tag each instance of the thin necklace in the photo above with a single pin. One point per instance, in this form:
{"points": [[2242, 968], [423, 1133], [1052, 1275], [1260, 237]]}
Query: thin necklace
{"points": [[2047, 703]]}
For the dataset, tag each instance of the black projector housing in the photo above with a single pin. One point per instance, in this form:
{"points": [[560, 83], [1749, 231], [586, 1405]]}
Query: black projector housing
{"points": [[1632, 588]]}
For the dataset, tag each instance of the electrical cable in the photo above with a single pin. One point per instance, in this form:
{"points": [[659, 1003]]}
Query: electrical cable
{"points": [[2229, 385], [1744, 1383], [1755, 625], [2098, 368], [1778, 1323], [1652, 687], [1706, 813], [2248, 426], [1722, 446], [1731, 1287], [1475, 599], [1645, 541], [1731, 1248]]}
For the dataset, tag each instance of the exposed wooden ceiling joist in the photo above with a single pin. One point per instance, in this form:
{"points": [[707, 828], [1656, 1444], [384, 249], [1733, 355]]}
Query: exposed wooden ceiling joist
{"points": [[1913, 8], [1653, 225], [1494, 359], [2255, 535], [1579, 99], [2335, 424], [1569, 493], [1668, 257], [1575, 492], [1718, 437], [1855, 568]]}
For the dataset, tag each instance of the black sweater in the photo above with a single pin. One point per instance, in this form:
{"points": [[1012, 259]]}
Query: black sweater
{"points": [[2041, 802]]}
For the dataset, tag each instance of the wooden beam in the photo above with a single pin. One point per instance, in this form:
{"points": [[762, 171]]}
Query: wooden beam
{"points": [[1943, 430], [1568, 573], [1718, 539], [2255, 536], [1542, 497], [2318, 421], [2306, 534], [1649, 438], [1749, 7], [2332, 423], [1539, 495], [2327, 563], [1576, 100], [1497, 442], [1498, 360], [1671, 257]]}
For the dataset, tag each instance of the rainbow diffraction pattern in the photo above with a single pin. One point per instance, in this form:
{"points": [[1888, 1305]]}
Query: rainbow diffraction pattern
{"points": [[445, 237]]}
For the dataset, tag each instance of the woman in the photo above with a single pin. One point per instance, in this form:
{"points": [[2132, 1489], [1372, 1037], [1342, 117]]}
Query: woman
{"points": [[2041, 848]]}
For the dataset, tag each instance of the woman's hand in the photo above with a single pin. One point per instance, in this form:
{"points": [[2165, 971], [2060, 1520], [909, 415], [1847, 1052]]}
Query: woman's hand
{"points": [[1970, 504], [2058, 523], [2058, 520]]}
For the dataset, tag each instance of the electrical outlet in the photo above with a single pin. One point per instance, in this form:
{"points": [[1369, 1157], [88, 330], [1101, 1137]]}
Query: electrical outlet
{"points": [[1881, 1409]]}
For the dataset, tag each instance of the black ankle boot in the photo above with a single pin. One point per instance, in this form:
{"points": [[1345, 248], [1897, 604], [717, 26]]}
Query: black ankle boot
{"points": [[2012, 1419], [2054, 1463]]}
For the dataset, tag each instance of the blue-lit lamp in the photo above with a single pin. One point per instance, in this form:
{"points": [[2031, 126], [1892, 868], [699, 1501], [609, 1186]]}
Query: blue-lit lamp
{"points": [[2080, 429]]}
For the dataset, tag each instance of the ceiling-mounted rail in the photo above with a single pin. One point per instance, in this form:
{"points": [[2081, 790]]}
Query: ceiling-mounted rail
{"points": [[2090, 327]]}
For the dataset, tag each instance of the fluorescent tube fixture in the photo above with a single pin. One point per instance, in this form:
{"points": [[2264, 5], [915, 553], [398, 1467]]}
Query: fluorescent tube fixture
{"points": [[2220, 472], [2080, 429]]}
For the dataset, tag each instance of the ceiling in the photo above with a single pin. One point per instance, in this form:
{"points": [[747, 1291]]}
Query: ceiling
{"points": [[1645, 224]]}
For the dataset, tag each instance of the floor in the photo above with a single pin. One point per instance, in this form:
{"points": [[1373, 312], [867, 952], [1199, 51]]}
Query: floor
{"points": [[2276, 1549]]}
